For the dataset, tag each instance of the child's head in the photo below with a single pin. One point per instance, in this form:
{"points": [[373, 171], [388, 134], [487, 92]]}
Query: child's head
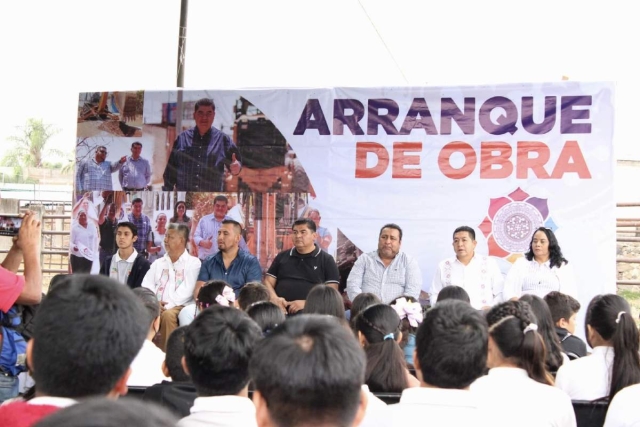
{"points": [[410, 312], [215, 292], [564, 309], [454, 292]]}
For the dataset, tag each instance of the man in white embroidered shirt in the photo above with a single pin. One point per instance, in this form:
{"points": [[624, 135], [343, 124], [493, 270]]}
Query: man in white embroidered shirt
{"points": [[387, 272], [479, 275], [173, 278]]}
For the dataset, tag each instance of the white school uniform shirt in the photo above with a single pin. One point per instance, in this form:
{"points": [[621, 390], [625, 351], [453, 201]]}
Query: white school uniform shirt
{"points": [[221, 411], [173, 282], [508, 391], [481, 278], [623, 410], [120, 269], [589, 377], [530, 277], [438, 407], [146, 368]]}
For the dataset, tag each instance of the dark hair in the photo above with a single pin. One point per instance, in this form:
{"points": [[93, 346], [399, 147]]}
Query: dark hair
{"points": [[323, 299], [561, 306], [175, 212], [267, 315], [131, 226], [182, 229], [236, 224], [360, 303], [204, 102], [317, 374], [173, 357], [136, 143], [610, 316], [386, 366], [220, 198], [87, 332], [555, 253], [252, 293], [217, 348], [471, 231], [136, 200], [55, 280], [103, 412], [451, 345], [208, 293], [392, 226], [454, 292], [507, 322], [305, 221], [150, 302], [547, 330]]}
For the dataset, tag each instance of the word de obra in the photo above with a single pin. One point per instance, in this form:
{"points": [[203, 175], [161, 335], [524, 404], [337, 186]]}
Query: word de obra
{"points": [[494, 156]]}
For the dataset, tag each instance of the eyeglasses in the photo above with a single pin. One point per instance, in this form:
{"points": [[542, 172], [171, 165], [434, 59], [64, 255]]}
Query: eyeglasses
{"points": [[102, 151]]}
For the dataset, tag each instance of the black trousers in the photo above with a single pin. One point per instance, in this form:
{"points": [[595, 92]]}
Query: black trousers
{"points": [[80, 264]]}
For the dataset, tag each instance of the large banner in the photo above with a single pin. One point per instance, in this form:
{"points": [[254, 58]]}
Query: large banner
{"points": [[504, 160]]}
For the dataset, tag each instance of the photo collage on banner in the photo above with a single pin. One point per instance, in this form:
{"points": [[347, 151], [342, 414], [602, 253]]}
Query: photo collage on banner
{"points": [[132, 165]]}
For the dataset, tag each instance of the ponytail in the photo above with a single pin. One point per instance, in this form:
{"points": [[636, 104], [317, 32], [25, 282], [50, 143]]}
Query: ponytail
{"points": [[626, 361], [513, 328], [386, 366], [533, 356]]}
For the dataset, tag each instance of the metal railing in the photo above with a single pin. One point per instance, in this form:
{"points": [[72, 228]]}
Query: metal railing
{"points": [[628, 231]]}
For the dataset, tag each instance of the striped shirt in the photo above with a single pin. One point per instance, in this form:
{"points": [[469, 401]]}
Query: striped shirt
{"points": [[94, 176], [369, 274]]}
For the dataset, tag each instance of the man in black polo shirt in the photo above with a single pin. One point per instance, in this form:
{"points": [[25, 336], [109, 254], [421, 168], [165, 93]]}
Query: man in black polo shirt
{"points": [[295, 271]]}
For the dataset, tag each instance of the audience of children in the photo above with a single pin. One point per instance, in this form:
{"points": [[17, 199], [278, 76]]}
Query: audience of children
{"points": [[522, 343]]}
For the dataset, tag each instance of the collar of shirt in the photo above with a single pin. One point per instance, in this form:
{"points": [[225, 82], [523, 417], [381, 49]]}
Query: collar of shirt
{"points": [[314, 253], [60, 402], [395, 258], [510, 372], [131, 258], [181, 259], [475, 258], [438, 397], [223, 404]]}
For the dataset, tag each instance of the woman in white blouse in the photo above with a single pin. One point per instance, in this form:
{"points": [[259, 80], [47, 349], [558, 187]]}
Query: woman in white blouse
{"points": [[614, 363], [517, 376], [543, 269], [155, 241]]}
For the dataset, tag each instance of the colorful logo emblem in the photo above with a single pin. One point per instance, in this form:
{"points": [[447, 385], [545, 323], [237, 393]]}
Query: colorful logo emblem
{"points": [[511, 222]]}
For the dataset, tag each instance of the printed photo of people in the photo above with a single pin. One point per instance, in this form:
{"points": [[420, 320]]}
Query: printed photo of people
{"points": [[110, 113]]}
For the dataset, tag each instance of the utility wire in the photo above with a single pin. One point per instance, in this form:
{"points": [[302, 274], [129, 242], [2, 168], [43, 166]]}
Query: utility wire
{"points": [[383, 42]]}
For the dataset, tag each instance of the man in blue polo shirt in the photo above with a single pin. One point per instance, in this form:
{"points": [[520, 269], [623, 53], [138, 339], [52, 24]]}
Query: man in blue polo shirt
{"points": [[294, 272], [230, 263]]}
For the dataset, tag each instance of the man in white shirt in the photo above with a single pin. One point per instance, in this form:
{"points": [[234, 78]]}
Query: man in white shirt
{"points": [[173, 278], [217, 348], [386, 272], [451, 353], [146, 368], [479, 275]]}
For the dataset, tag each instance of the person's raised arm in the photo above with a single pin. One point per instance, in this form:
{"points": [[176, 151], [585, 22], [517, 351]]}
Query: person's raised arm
{"points": [[29, 243]]}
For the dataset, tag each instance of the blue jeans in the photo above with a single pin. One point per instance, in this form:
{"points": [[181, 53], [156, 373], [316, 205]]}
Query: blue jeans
{"points": [[9, 387]]}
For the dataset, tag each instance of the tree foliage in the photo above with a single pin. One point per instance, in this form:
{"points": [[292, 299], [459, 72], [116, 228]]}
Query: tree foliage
{"points": [[30, 145]]}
